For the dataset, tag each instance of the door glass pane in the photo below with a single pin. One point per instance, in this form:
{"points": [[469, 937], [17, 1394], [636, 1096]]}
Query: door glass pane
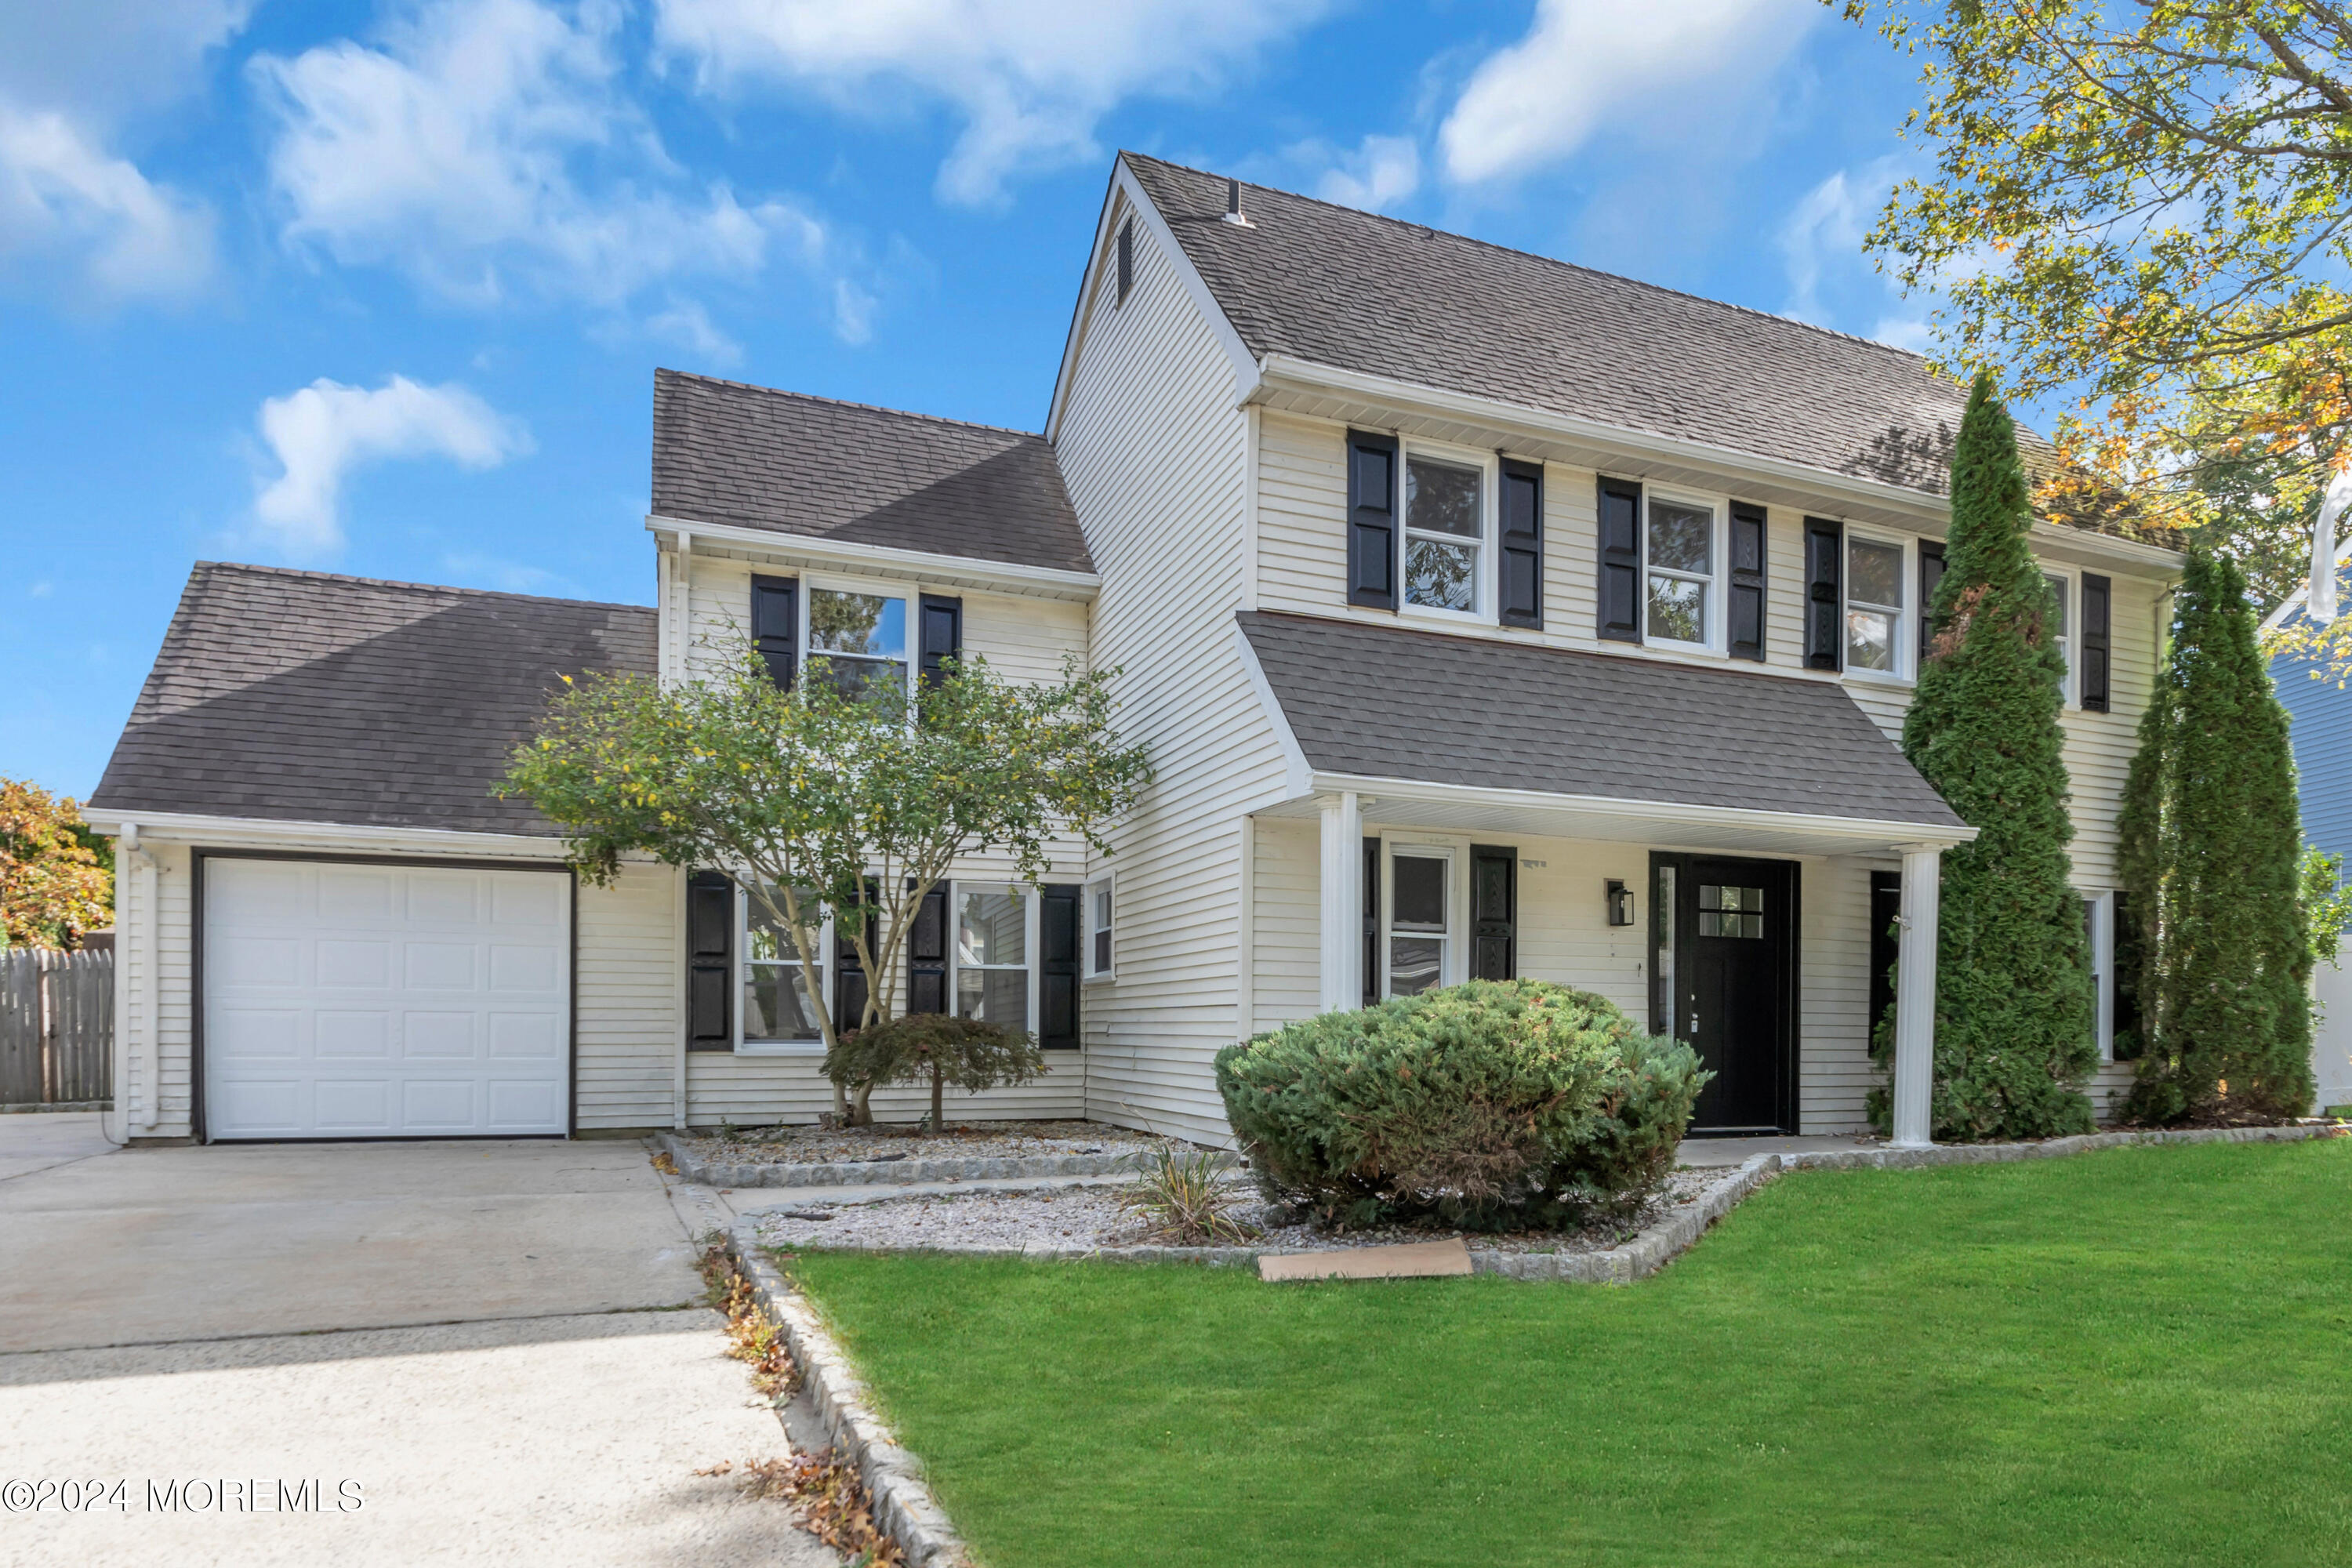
{"points": [[1870, 640], [1682, 538], [1441, 498], [1441, 576], [1730, 911], [1418, 893], [991, 926], [776, 1005], [867, 624], [1875, 574], [1415, 963], [1677, 609]]}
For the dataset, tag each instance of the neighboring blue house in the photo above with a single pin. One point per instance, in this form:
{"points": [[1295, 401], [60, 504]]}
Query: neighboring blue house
{"points": [[2321, 735]]}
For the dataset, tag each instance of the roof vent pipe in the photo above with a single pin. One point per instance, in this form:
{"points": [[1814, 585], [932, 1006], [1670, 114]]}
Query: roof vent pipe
{"points": [[1233, 213]]}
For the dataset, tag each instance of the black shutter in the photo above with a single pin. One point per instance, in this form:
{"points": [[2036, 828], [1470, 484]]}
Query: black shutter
{"points": [[1885, 946], [1747, 602], [1825, 608], [1522, 575], [1931, 577], [1621, 561], [1494, 912], [2099, 601], [927, 956], [1060, 905], [775, 626], [1371, 520], [710, 962], [943, 635], [1371, 920], [849, 990]]}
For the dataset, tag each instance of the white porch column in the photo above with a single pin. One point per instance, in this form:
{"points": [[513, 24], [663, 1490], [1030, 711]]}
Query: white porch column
{"points": [[1343, 903], [1915, 994]]}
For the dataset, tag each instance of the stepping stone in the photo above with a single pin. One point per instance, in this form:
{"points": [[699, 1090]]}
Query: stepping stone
{"points": [[1419, 1260]]}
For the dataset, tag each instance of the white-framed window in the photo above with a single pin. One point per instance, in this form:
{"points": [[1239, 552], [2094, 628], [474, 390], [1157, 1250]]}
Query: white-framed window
{"points": [[995, 936], [1419, 912], [776, 1014], [2061, 588], [1682, 553], [1877, 577], [2099, 922], [1449, 503], [861, 628], [1101, 904]]}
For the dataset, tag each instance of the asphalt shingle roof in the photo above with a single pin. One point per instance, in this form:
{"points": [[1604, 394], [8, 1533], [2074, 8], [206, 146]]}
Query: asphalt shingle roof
{"points": [[1388, 702], [1379, 296], [749, 456], [303, 697]]}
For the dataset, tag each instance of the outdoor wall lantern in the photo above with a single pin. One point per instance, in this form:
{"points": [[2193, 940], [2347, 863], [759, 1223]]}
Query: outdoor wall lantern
{"points": [[1621, 904]]}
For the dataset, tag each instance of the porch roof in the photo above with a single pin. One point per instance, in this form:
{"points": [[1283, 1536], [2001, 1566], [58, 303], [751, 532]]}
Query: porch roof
{"points": [[1481, 713]]}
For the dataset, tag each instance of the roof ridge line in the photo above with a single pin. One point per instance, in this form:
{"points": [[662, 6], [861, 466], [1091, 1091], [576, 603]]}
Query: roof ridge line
{"points": [[662, 370], [1551, 260]]}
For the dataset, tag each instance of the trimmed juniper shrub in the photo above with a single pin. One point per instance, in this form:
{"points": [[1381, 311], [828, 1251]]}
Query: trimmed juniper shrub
{"points": [[1491, 1105]]}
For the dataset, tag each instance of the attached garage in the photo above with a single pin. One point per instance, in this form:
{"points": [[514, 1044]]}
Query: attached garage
{"points": [[368, 999]]}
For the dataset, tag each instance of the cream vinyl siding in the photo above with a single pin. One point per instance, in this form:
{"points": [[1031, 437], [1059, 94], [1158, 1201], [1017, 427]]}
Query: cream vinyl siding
{"points": [[1152, 450], [1286, 916], [153, 993], [756, 1091], [1834, 1072], [627, 1025]]}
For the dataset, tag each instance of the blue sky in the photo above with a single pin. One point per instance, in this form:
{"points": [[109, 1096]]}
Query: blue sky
{"points": [[379, 288]]}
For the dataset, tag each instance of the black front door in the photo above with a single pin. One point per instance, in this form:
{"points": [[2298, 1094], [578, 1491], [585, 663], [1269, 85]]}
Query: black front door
{"points": [[1723, 955]]}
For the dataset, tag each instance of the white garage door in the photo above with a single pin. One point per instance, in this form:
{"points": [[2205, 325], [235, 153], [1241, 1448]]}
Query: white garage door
{"points": [[355, 1001]]}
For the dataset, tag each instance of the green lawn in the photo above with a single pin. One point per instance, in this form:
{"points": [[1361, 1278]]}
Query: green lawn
{"points": [[2134, 1356]]}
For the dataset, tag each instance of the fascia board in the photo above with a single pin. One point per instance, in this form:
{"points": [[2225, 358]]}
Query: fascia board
{"points": [[807, 550], [262, 833]]}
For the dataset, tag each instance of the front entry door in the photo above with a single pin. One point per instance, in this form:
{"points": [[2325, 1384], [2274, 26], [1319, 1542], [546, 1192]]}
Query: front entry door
{"points": [[1725, 946]]}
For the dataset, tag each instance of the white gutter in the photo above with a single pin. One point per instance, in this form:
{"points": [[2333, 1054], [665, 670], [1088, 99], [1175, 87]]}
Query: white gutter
{"points": [[259, 833], [1285, 371], [809, 549], [1862, 831]]}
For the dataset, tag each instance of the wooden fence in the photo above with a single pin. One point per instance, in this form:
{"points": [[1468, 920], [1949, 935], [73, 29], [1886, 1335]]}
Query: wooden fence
{"points": [[57, 1028]]}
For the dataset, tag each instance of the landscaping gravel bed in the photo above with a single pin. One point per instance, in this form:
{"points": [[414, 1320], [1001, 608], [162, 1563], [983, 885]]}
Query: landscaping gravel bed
{"points": [[1079, 1219], [892, 1142]]}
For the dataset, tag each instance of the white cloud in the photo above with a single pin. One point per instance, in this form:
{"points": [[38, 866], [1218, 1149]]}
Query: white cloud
{"points": [[326, 431], [42, 589], [104, 58], [486, 144], [1586, 61], [1825, 229], [1381, 172], [1912, 332], [109, 229], [1030, 78], [685, 324]]}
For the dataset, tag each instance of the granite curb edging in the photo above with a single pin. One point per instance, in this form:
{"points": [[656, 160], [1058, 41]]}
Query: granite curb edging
{"points": [[903, 1505], [903, 1172], [1660, 1243]]}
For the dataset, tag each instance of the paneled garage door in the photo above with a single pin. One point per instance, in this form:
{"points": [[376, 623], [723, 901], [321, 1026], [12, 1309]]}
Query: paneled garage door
{"points": [[359, 1001]]}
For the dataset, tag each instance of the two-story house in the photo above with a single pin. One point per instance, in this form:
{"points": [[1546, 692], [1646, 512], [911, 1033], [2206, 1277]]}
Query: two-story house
{"points": [[1485, 615]]}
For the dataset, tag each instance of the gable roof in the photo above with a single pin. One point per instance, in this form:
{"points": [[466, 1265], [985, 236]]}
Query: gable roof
{"points": [[304, 696], [1371, 701], [725, 452], [1375, 295]]}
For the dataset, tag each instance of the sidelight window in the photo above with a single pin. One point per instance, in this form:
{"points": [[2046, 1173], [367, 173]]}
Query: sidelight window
{"points": [[1419, 930]]}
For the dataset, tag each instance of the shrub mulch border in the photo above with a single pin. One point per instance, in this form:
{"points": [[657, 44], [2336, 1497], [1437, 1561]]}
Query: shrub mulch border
{"points": [[901, 1173], [1669, 1237]]}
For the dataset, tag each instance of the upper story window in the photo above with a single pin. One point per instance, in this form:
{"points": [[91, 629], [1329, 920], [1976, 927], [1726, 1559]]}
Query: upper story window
{"points": [[2059, 591], [1678, 563], [1445, 533], [863, 635], [1874, 606]]}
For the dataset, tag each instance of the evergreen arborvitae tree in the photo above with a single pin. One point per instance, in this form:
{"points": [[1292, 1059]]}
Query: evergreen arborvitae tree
{"points": [[2212, 861], [2014, 1012]]}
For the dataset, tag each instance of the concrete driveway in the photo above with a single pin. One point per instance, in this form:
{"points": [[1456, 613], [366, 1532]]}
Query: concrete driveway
{"points": [[497, 1344]]}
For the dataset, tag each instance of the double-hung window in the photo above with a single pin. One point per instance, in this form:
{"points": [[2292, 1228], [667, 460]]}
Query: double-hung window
{"points": [[778, 1009], [994, 941], [1420, 931], [2059, 638], [862, 635], [1098, 929], [1678, 564], [1874, 606], [1445, 555]]}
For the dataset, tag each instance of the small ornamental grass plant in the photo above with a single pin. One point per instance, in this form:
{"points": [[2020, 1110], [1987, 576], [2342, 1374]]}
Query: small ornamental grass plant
{"points": [[1490, 1106], [1184, 1199]]}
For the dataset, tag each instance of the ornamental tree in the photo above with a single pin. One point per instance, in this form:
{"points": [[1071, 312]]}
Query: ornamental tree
{"points": [[831, 796], [2213, 861], [56, 877], [2014, 1019]]}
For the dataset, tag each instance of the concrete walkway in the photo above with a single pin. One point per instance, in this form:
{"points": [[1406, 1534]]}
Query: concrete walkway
{"points": [[496, 1343], [1722, 1153]]}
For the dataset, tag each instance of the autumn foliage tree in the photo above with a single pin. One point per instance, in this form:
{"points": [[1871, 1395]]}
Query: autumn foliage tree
{"points": [[56, 882]]}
